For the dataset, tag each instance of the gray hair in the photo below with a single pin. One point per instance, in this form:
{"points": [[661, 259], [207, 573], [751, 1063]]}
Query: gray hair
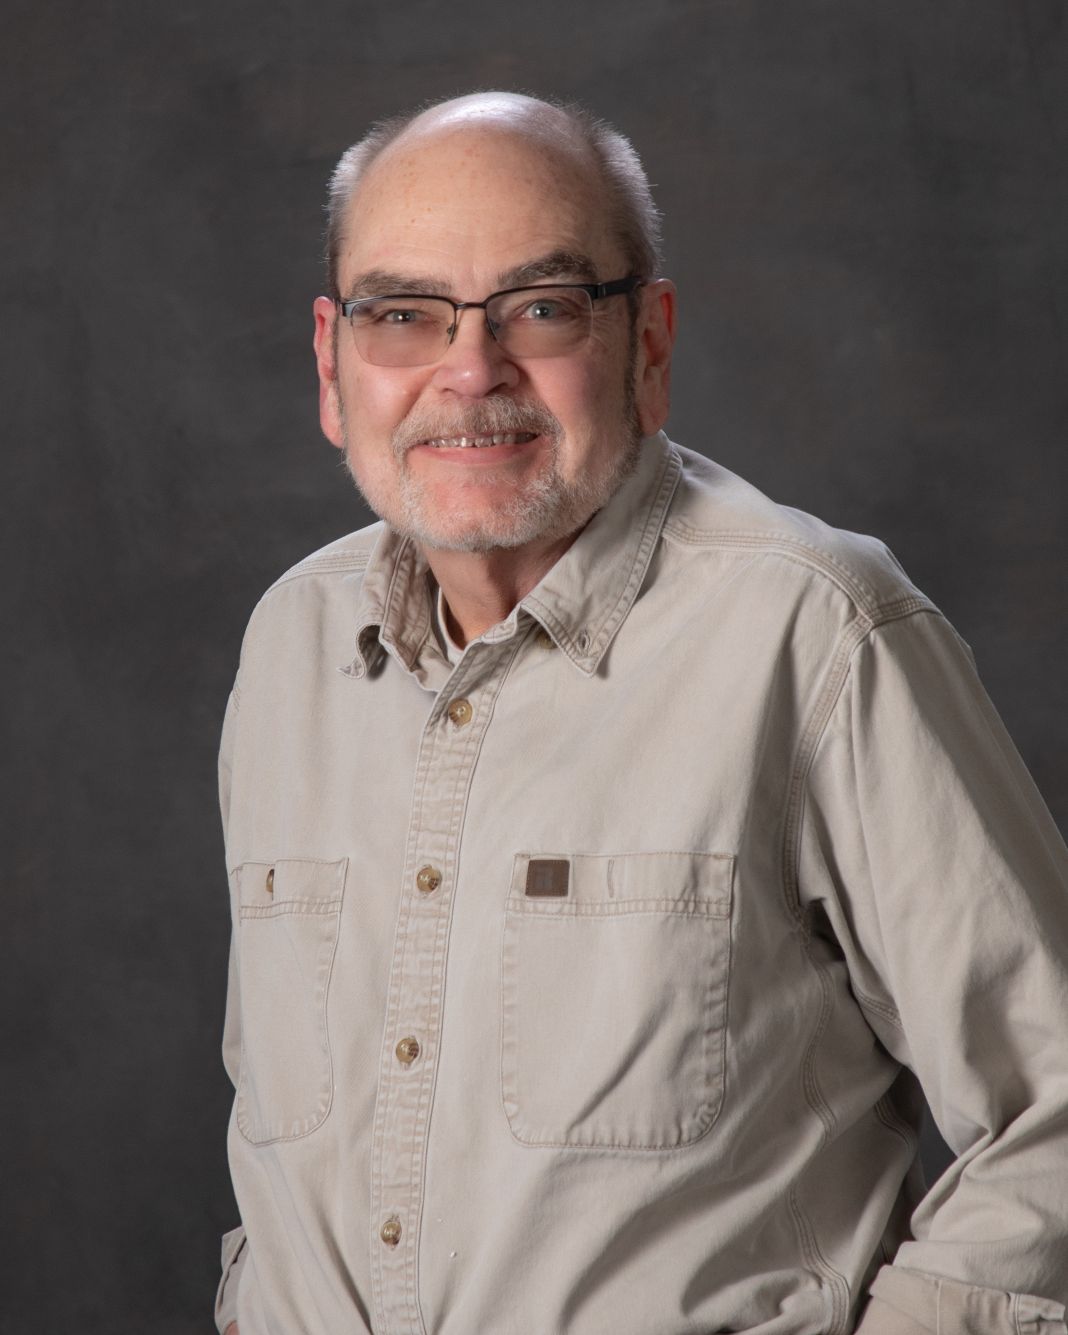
{"points": [[635, 217]]}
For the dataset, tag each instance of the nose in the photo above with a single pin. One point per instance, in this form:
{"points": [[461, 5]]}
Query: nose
{"points": [[474, 363]]}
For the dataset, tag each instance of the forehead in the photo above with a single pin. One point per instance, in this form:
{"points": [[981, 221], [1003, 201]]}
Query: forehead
{"points": [[467, 205]]}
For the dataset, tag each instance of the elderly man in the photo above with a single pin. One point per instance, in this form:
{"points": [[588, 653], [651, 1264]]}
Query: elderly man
{"points": [[612, 851]]}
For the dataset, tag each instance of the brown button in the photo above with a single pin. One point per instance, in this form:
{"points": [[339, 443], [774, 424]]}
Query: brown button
{"points": [[460, 712], [390, 1232], [428, 879], [407, 1050], [270, 882], [544, 640]]}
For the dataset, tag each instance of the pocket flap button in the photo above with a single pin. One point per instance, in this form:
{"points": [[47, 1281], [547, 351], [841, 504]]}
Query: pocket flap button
{"points": [[270, 881]]}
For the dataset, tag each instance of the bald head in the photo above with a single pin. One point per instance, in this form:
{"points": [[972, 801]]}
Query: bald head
{"points": [[578, 143]]}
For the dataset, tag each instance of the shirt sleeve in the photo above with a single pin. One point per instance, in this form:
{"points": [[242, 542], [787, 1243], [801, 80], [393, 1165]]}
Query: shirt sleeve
{"points": [[926, 845], [234, 1247], [234, 1254], [906, 1302]]}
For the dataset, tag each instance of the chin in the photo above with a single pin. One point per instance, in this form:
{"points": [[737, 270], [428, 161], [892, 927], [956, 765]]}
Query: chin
{"points": [[505, 529], [544, 510]]}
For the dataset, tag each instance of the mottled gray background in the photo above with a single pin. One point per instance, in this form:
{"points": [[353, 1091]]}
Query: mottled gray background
{"points": [[867, 213]]}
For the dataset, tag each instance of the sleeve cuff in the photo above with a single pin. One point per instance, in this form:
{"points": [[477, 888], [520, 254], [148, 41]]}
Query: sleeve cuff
{"points": [[906, 1301]]}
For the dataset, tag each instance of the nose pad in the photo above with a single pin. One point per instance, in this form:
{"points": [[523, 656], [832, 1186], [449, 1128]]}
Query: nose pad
{"points": [[454, 328], [474, 366]]}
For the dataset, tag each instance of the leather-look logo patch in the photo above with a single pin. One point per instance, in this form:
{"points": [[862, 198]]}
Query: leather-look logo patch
{"points": [[547, 878]]}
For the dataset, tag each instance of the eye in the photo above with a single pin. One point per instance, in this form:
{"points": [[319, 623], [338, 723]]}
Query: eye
{"points": [[544, 310], [547, 310], [400, 315]]}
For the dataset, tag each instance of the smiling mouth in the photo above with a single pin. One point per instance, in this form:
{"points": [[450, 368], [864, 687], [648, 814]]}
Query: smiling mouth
{"points": [[480, 442]]}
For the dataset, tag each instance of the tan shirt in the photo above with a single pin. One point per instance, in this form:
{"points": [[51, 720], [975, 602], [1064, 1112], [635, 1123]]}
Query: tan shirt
{"points": [[578, 987]]}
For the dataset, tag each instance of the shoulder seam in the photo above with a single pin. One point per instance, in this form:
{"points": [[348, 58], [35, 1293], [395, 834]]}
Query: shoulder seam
{"points": [[785, 544], [330, 563], [807, 554]]}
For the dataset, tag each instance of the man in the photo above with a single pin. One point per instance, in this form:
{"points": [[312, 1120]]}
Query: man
{"points": [[610, 848]]}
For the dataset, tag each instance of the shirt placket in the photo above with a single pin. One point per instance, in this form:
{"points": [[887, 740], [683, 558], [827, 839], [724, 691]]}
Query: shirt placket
{"points": [[447, 756]]}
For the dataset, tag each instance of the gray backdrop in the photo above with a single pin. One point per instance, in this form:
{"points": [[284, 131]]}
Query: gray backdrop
{"points": [[866, 210]]}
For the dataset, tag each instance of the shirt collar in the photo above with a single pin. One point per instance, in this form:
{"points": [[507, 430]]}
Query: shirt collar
{"points": [[581, 602]]}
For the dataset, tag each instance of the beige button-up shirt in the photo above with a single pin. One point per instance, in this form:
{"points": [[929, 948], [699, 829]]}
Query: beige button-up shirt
{"points": [[583, 985]]}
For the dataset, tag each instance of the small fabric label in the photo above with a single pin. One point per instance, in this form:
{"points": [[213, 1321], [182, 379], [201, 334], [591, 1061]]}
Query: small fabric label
{"points": [[547, 878]]}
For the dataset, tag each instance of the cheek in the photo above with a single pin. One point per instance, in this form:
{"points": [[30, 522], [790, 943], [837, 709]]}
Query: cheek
{"points": [[575, 391], [378, 403]]}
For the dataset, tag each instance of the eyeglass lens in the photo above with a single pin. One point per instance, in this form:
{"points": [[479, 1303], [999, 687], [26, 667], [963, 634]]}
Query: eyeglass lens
{"points": [[415, 331]]}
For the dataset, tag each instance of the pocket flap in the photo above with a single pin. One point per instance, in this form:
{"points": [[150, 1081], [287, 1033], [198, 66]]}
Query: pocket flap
{"points": [[307, 884], [587, 883]]}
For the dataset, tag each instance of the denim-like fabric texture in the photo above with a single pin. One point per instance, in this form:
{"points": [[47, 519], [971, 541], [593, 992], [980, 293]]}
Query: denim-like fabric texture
{"points": [[790, 866]]}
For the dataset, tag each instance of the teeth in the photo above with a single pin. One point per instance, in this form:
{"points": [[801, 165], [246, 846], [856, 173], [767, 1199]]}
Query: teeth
{"points": [[480, 442]]}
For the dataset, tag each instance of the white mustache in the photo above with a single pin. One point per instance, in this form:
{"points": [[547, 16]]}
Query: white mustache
{"points": [[496, 415]]}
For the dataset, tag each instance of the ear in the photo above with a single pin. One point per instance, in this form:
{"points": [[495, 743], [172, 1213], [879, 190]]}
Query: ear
{"points": [[656, 338], [325, 341]]}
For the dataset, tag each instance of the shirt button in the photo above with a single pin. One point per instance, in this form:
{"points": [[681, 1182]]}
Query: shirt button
{"points": [[544, 640], [407, 1050], [270, 882], [460, 712], [428, 879], [390, 1232]]}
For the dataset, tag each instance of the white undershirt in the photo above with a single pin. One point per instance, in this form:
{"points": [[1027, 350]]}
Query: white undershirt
{"points": [[452, 650]]}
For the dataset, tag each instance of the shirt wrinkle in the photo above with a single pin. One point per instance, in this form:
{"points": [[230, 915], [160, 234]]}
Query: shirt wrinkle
{"points": [[530, 1024]]}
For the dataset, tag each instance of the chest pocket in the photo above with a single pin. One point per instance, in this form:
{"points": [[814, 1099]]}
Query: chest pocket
{"points": [[289, 915], [614, 998]]}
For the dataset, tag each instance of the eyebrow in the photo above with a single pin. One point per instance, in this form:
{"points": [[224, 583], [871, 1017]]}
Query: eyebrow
{"points": [[560, 264], [384, 283], [556, 264]]}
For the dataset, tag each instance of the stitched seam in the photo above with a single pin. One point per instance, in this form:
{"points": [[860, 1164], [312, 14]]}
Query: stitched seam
{"points": [[651, 532], [815, 1260], [826, 699], [886, 1114], [774, 540], [391, 593], [654, 525], [809, 1082], [631, 853], [708, 1115], [288, 862], [287, 906], [461, 796], [323, 565], [315, 1120], [622, 908], [883, 1008]]}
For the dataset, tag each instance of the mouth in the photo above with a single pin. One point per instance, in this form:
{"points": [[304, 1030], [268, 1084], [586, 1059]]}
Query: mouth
{"points": [[479, 442]]}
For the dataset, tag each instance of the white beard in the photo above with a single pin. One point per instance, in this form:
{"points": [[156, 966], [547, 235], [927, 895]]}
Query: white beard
{"points": [[545, 508]]}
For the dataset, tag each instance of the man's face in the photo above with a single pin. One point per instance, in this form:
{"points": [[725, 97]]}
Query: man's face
{"points": [[464, 213]]}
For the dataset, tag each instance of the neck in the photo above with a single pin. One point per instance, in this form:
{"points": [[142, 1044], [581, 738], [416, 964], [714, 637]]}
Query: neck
{"points": [[481, 588]]}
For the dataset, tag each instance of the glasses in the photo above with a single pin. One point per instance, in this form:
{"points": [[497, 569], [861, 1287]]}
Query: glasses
{"points": [[412, 330]]}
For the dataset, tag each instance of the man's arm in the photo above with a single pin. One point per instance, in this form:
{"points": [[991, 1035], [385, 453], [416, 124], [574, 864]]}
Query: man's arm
{"points": [[946, 884], [234, 1247]]}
